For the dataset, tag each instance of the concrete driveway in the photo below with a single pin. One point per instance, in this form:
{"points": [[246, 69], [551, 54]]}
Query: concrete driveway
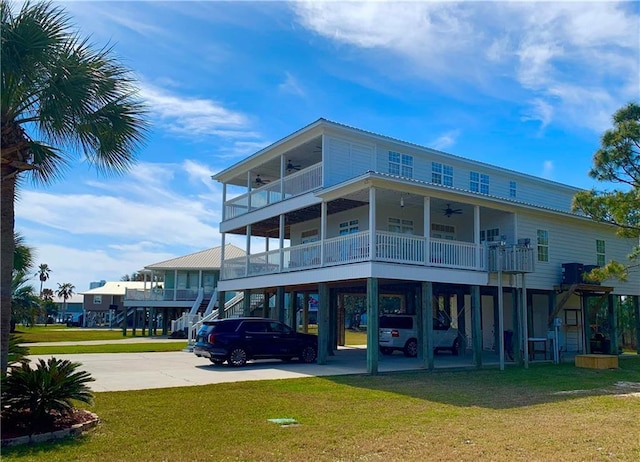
{"points": [[137, 371]]}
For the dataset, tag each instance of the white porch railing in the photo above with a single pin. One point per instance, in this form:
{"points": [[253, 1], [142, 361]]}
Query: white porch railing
{"points": [[390, 247], [295, 184], [515, 258], [157, 294]]}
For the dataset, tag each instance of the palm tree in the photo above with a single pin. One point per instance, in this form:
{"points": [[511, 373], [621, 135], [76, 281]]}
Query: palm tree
{"points": [[59, 98], [43, 274], [22, 254], [65, 291]]}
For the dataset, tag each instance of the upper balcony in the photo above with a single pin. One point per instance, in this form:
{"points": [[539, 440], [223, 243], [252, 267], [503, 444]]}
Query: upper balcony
{"points": [[389, 247], [295, 184]]}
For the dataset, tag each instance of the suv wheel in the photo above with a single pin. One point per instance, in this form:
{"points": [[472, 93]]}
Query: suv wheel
{"points": [[308, 354], [237, 357], [411, 348]]}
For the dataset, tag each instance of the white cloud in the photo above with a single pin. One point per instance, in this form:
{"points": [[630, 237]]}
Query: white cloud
{"points": [[195, 116], [444, 141], [291, 85], [549, 52]]}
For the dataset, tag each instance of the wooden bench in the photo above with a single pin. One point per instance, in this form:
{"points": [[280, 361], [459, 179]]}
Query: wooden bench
{"points": [[597, 361]]}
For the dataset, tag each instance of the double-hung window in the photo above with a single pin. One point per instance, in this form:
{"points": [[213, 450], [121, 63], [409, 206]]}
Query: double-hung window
{"points": [[600, 252], [397, 225], [441, 174], [512, 189], [349, 227], [479, 182], [543, 245], [400, 164]]}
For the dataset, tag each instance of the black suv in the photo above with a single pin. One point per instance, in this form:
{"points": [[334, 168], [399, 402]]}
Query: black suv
{"points": [[237, 340]]}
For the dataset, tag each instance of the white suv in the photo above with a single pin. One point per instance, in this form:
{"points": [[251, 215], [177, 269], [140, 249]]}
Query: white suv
{"points": [[399, 332]]}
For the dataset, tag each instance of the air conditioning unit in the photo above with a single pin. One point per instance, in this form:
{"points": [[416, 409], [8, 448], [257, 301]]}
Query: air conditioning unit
{"points": [[572, 273]]}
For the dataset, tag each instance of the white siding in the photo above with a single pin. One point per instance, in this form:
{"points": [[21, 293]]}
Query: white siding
{"points": [[345, 159], [574, 241]]}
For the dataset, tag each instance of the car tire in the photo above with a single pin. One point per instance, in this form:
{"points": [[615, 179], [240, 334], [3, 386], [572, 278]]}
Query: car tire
{"points": [[455, 347], [308, 354], [237, 357], [216, 361], [411, 348], [386, 350]]}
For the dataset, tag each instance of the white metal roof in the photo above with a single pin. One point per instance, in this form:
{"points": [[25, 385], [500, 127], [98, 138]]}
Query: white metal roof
{"points": [[205, 259], [116, 288]]}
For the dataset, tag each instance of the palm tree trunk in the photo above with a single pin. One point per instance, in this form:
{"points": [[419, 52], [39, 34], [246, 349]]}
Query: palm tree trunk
{"points": [[7, 222]]}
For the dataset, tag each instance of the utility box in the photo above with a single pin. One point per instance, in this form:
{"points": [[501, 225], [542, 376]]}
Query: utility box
{"points": [[572, 273]]}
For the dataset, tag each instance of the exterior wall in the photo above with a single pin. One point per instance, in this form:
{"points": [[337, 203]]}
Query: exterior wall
{"points": [[348, 156], [574, 241], [107, 300]]}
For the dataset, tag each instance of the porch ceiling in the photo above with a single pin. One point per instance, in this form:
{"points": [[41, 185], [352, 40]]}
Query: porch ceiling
{"points": [[271, 226]]}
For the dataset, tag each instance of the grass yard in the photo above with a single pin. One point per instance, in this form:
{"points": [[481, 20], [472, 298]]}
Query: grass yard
{"points": [[546, 413], [108, 348], [62, 333]]}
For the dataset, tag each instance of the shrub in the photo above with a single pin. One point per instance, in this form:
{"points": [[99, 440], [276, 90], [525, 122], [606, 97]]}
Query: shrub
{"points": [[38, 395], [17, 353]]}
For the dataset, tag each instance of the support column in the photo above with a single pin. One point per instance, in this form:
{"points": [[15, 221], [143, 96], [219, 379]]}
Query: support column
{"points": [[426, 212], [373, 323], [636, 312], [291, 318], [612, 318], [462, 326], [134, 324], [305, 312], [265, 305], [476, 326], [500, 307], [341, 320], [221, 302], [525, 322], [476, 235], [323, 322], [248, 245], [323, 231], [246, 302], [280, 303], [281, 243], [372, 224], [152, 322], [425, 351], [516, 340]]}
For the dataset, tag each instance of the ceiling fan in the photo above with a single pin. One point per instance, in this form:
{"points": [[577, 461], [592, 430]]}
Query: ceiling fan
{"points": [[259, 181], [291, 167], [449, 211]]}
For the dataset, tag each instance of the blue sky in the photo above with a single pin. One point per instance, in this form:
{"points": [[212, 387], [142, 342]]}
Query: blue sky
{"points": [[528, 86]]}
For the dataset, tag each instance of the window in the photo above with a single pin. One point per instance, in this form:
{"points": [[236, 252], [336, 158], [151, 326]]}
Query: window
{"points": [[400, 164], [309, 236], [440, 231], [600, 258], [396, 225], [512, 189], [543, 245], [479, 182], [441, 174], [348, 227], [490, 235], [97, 299]]}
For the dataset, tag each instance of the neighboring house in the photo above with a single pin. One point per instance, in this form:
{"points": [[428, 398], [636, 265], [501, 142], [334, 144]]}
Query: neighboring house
{"points": [[102, 304], [188, 285], [345, 213], [74, 308]]}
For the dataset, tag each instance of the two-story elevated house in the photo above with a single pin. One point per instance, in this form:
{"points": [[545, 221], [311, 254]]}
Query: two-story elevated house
{"points": [[338, 211]]}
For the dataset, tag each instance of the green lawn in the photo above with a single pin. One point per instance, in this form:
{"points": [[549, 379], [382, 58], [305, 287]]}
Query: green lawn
{"points": [[546, 413], [61, 333], [108, 348]]}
